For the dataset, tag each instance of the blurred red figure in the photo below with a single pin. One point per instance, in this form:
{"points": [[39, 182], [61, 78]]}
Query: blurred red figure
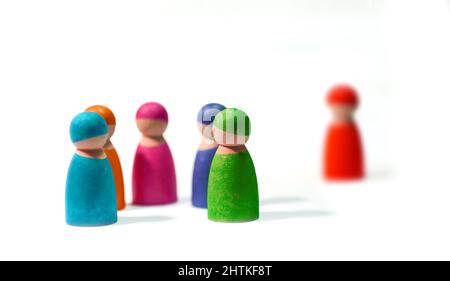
{"points": [[343, 157]]}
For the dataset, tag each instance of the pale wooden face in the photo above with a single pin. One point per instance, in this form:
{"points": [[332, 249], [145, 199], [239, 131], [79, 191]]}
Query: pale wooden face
{"points": [[111, 130], [151, 127], [92, 143], [228, 139], [342, 112], [206, 131]]}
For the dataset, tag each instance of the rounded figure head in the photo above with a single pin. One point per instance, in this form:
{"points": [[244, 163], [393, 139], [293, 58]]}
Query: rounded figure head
{"points": [[88, 131], [231, 127], [107, 114], [152, 119], [343, 101], [205, 118]]}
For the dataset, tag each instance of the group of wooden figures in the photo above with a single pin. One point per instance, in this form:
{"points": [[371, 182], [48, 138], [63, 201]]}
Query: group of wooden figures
{"points": [[224, 178]]}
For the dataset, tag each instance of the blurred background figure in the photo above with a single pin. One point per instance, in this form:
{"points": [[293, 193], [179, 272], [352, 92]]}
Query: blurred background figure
{"points": [[343, 157]]}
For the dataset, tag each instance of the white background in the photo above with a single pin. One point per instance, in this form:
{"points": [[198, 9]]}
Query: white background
{"points": [[273, 59]]}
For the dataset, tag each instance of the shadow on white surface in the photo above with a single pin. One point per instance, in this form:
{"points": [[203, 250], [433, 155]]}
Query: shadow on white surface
{"points": [[281, 200], [142, 219], [380, 175], [131, 207], [184, 200], [283, 215]]}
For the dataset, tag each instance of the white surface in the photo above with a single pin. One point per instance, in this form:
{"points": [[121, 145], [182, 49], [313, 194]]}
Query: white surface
{"points": [[274, 60]]}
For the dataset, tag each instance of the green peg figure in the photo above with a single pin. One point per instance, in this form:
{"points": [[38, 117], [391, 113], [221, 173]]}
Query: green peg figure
{"points": [[232, 186]]}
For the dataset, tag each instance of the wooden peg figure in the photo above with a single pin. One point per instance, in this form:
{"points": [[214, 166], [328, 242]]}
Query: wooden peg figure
{"points": [[205, 153], [233, 186], [90, 189], [343, 157], [154, 179], [111, 152]]}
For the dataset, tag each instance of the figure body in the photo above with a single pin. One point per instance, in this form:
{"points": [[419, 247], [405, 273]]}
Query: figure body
{"points": [[90, 189], [90, 192], [154, 178], [205, 154], [114, 161], [343, 157], [233, 186], [111, 153], [202, 166]]}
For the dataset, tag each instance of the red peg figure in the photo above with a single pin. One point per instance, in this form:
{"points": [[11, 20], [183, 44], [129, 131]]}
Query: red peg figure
{"points": [[343, 157], [154, 180]]}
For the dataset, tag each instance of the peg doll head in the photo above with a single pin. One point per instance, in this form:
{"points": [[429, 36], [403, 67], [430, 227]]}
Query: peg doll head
{"points": [[152, 119], [88, 131], [343, 101], [205, 119], [231, 127], [107, 114]]}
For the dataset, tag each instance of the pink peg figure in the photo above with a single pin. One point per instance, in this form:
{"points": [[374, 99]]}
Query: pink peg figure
{"points": [[154, 178]]}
